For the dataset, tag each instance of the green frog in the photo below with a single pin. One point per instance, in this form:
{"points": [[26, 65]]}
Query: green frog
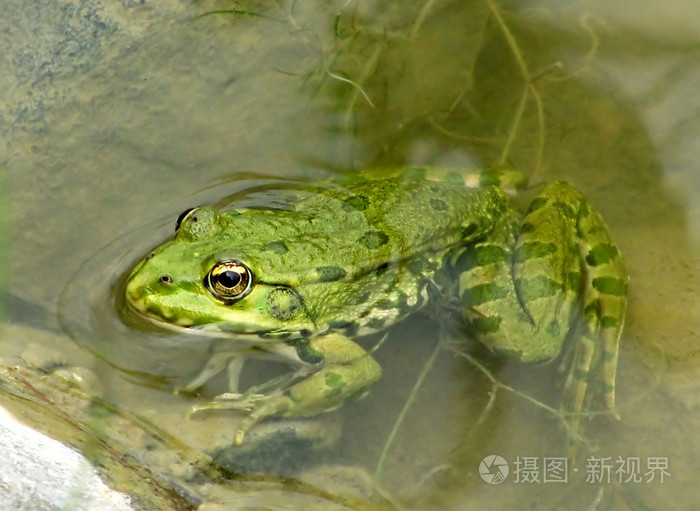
{"points": [[354, 256]]}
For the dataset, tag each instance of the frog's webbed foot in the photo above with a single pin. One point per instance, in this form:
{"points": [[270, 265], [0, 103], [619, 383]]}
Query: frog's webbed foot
{"points": [[344, 373], [246, 402], [259, 402], [256, 406]]}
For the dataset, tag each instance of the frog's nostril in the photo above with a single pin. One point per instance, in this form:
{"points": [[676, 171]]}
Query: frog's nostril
{"points": [[166, 279]]}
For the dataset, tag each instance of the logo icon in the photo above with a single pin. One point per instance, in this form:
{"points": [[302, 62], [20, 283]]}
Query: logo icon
{"points": [[493, 469]]}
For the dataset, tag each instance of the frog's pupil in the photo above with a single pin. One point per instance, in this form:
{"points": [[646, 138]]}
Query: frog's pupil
{"points": [[229, 279]]}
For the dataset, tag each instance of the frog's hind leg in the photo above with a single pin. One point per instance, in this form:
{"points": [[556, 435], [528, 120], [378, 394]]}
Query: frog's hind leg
{"points": [[527, 287], [594, 282], [604, 305]]}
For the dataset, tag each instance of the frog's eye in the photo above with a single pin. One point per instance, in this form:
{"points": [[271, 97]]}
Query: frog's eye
{"points": [[229, 280], [182, 218]]}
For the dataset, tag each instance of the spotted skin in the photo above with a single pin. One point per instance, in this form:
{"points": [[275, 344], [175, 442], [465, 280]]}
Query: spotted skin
{"points": [[357, 255]]}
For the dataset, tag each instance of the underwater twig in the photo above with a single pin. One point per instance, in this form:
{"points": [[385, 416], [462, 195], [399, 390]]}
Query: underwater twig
{"points": [[540, 131], [595, 505], [575, 435], [650, 389], [514, 128], [432, 473], [422, 14], [369, 67], [378, 345], [357, 87], [325, 68], [529, 89], [510, 39], [235, 12], [487, 409], [590, 54], [484, 141], [406, 407]]}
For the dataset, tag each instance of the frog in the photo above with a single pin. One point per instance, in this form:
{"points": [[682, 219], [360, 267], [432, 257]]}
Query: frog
{"points": [[354, 255]]}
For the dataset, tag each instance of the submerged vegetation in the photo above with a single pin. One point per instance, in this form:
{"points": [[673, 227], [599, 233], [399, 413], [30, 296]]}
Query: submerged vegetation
{"points": [[472, 76]]}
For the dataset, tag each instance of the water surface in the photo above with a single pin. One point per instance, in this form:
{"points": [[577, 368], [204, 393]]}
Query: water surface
{"points": [[117, 117]]}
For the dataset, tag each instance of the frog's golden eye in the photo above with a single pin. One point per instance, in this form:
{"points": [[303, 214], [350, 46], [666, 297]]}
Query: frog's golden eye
{"points": [[182, 217], [229, 280]]}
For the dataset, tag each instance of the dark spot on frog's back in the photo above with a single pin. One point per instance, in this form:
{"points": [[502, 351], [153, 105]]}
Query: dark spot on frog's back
{"points": [[438, 204], [566, 209], [469, 230], [278, 247], [381, 270], [360, 298], [356, 202], [454, 178], [490, 178], [330, 273], [414, 173], [526, 227], [373, 239], [537, 203]]}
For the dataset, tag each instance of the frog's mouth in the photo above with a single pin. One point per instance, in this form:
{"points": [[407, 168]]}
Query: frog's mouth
{"points": [[218, 329], [267, 312]]}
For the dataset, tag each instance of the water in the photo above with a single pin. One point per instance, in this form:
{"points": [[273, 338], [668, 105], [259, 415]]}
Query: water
{"points": [[118, 117]]}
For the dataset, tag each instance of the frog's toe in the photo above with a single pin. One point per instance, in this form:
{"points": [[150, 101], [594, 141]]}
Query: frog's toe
{"points": [[269, 406], [239, 401], [230, 401]]}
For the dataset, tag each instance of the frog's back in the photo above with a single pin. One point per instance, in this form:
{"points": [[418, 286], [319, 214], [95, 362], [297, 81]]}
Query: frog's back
{"points": [[414, 209]]}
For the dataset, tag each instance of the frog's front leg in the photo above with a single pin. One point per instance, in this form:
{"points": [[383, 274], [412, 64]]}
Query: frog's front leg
{"points": [[553, 276], [344, 371]]}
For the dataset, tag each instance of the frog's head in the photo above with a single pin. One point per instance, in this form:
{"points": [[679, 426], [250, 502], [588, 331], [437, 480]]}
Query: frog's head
{"points": [[202, 279]]}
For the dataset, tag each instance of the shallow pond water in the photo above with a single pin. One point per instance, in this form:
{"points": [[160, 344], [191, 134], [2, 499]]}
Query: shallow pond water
{"points": [[117, 116]]}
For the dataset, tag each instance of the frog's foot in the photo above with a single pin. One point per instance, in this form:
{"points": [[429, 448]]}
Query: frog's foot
{"points": [[231, 401], [344, 372], [257, 407]]}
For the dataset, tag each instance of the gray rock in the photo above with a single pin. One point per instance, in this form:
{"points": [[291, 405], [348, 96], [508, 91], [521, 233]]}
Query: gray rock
{"points": [[37, 473]]}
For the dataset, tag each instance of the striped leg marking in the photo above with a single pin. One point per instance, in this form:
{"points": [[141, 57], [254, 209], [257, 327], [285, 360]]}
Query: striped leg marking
{"points": [[553, 276]]}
